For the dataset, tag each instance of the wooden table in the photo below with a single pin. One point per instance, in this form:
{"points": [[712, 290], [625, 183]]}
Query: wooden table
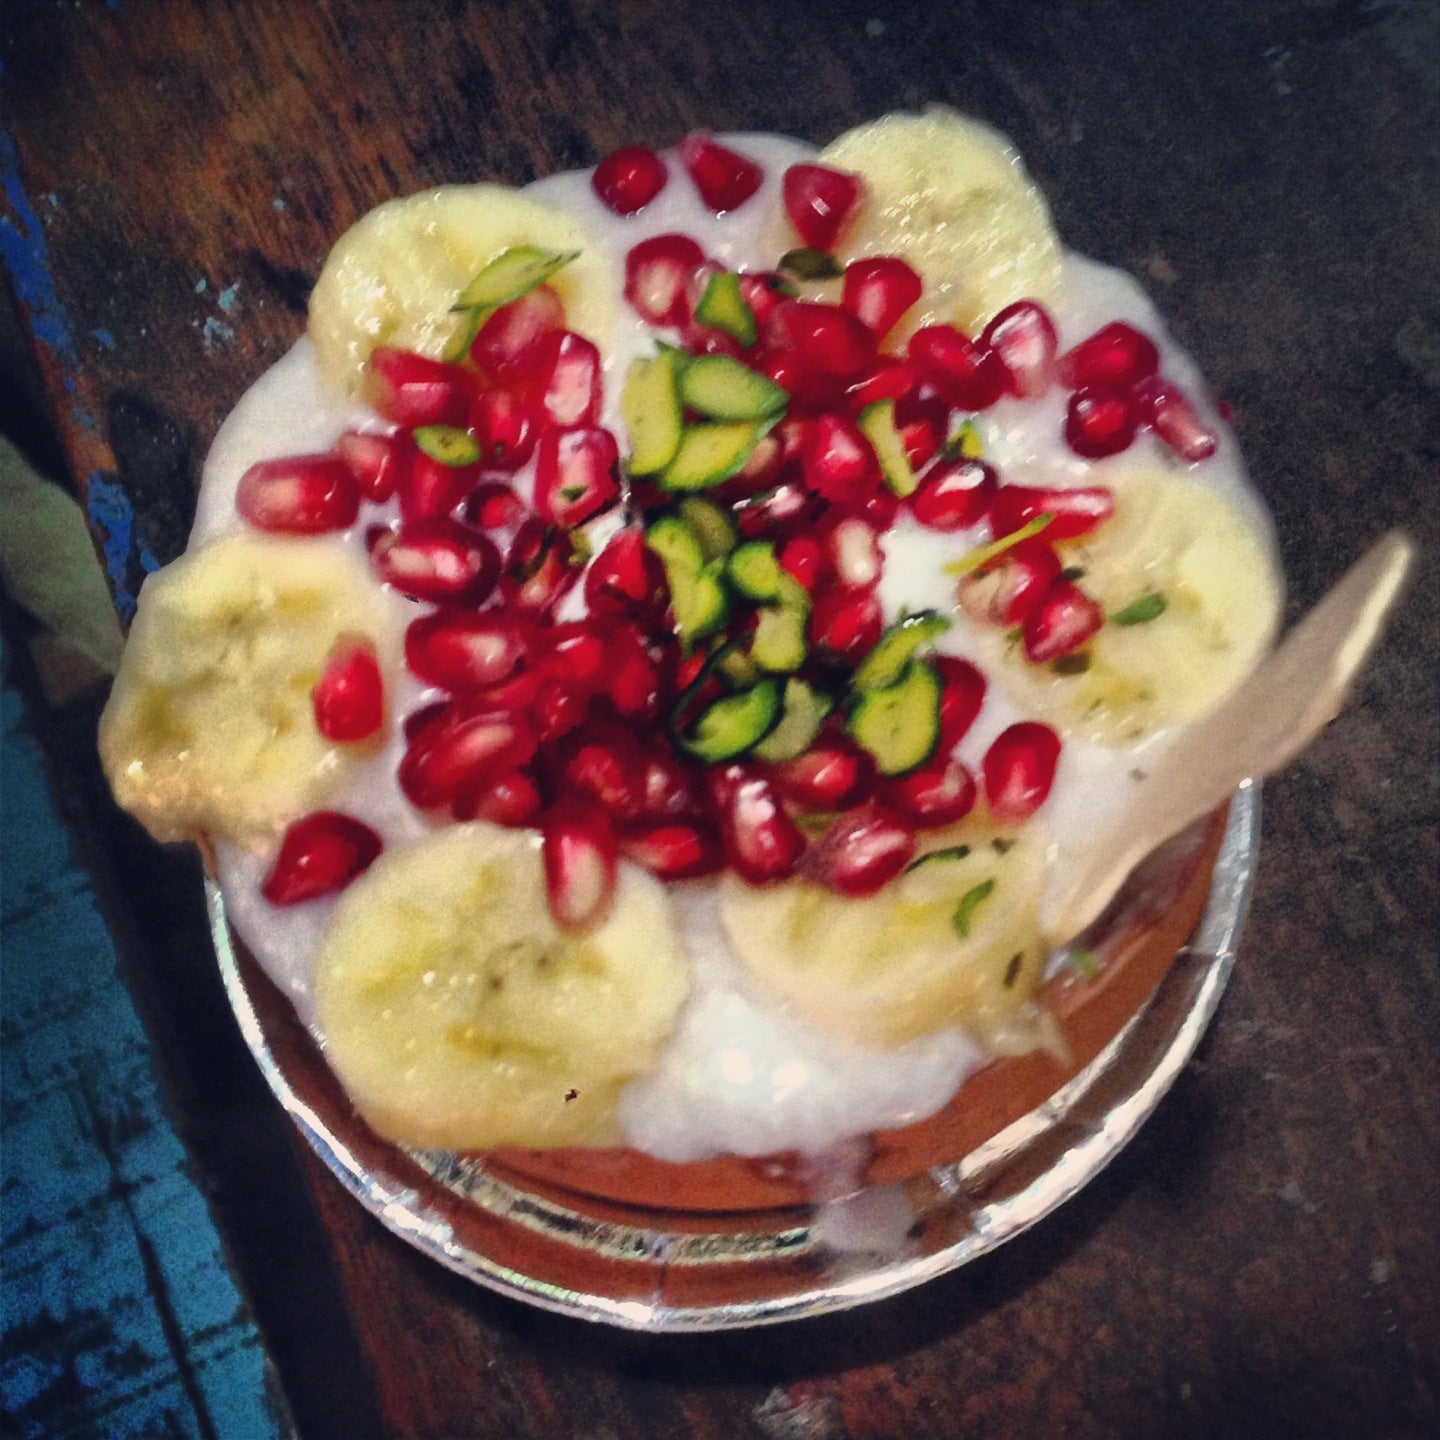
{"points": [[1263, 1260]]}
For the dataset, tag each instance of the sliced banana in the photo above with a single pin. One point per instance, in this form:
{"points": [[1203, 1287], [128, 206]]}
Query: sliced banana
{"points": [[459, 1017], [393, 277], [952, 197], [210, 726], [1201, 591], [895, 965]]}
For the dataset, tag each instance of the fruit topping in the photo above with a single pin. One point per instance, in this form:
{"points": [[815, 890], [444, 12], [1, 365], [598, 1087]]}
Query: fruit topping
{"points": [[820, 202], [1019, 769], [629, 179], [319, 855], [724, 179]]}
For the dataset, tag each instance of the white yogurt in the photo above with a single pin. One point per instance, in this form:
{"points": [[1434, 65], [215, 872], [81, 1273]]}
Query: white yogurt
{"points": [[740, 1075]]}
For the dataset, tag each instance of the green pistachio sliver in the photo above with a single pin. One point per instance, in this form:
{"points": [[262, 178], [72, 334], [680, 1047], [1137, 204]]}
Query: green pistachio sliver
{"points": [[970, 902], [948, 852], [458, 346], [983, 554], [448, 444], [807, 264], [1140, 612], [1085, 962], [514, 272], [964, 444]]}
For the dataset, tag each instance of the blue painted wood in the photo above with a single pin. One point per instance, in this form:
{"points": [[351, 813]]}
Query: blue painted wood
{"points": [[120, 1318]]}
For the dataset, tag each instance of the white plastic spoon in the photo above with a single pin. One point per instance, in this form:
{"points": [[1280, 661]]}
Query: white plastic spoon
{"points": [[1296, 691]]}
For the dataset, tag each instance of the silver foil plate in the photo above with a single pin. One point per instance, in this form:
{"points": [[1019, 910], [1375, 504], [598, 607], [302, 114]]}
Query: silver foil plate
{"points": [[656, 1270]]}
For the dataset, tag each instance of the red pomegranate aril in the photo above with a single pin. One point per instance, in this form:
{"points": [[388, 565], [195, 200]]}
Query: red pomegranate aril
{"points": [[1061, 623], [965, 375], [658, 272], [378, 462], [460, 650], [633, 685], [509, 340], [575, 474], [724, 179], [788, 509], [298, 495], [1168, 411], [580, 852], [940, 792], [672, 788], [954, 494], [557, 710], [430, 488], [539, 566], [493, 505], [411, 390], [838, 461], [630, 179], [1100, 422], [349, 697], [853, 549], [762, 469], [879, 291], [575, 652], [803, 558], [922, 419], [569, 369], [626, 578], [512, 799], [1018, 770], [1074, 511], [608, 768], [847, 623], [826, 338], [516, 695], [1005, 592], [462, 753], [880, 509], [1115, 357], [1022, 336], [830, 775], [678, 850], [319, 855], [762, 291], [436, 560], [762, 843], [505, 427], [884, 378], [820, 202], [962, 692], [807, 386], [862, 851]]}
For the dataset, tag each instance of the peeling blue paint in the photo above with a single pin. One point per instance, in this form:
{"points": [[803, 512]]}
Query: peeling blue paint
{"points": [[216, 331], [104, 337], [22, 246], [226, 298], [110, 510], [201, 285], [148, 563]]}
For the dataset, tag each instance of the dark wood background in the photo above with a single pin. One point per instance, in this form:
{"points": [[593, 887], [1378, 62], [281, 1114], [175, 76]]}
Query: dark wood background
{"points": [[1263, 1260]]}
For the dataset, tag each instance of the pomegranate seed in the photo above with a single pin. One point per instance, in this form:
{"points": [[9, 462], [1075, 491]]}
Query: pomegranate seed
{"points": [[962, 693], [581, 862], [784, 511], [436, 560], [575, 474], [1061, 623], [460, 754], [762, 291], [1115, 357], [658, 273], [539, 566], [319, 855], [569, 385], [839, 462], [1022, 337], [847, 623], [298, 495], [826, 338], [505, 427], [426, 721], [509, 340], [1019, 769], [349, 697], [922, 418], [678, 850], [626, 578], [761, 842], [954, 494], [830, 775], [762, 469], [1100, 423], [511, 799], [459, 650], [724, 179], [630, 179], [805, 385], [431, 488], [965, 376], [820, 201], [493, 505], [1004, 592], [853, 549], [881, 508], [608, 768], [879, 291], [940, 792], [884, 378], [575, 652], [633, 685], [803, 558], [1079, 510], [410, 390], [557, 710], [1167, 409], [378, 462], [862, 851], [672, 788], [515, 695]]}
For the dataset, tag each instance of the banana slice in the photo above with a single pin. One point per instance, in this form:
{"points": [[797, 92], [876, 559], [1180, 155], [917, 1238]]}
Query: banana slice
{"points": [[210, 726], [955, 941], [952, 197], [1193, 597], [394, 275], [459, 1017]]}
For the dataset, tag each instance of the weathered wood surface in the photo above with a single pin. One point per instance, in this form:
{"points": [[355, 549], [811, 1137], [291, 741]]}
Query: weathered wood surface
{"points": [[1263, 1261]]}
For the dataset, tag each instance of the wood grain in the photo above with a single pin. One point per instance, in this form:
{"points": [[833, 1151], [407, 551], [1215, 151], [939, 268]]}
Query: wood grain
{"points": [[1263, 1260]]}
